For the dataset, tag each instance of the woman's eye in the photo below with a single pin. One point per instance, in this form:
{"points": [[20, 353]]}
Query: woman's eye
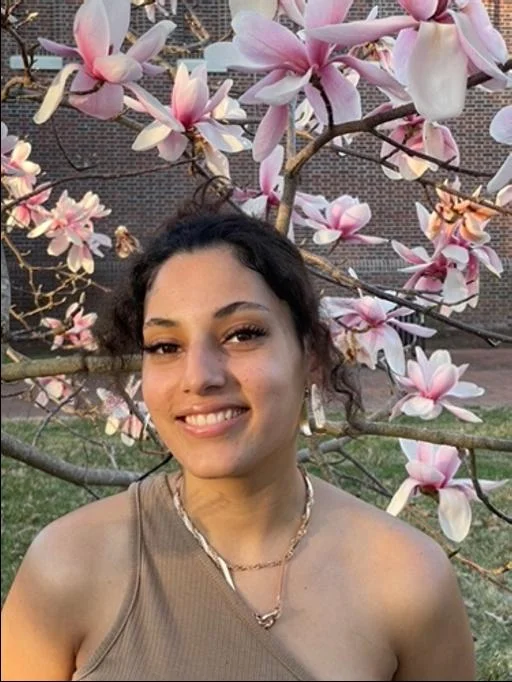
{"points": [[246, 334], [161, 348]]}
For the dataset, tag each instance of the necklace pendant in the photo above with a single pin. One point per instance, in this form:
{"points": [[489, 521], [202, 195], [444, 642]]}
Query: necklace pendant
{"points": [[266, 620]]}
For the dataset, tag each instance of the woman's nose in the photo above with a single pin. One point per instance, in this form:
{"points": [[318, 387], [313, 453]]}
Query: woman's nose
{"points": [[203, 369]]}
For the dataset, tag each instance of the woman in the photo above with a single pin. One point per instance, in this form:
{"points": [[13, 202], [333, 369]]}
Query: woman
{"points": [[241, 567]]}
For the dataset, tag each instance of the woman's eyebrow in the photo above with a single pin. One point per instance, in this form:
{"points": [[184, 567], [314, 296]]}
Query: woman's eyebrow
{"points": [[225, 311]]}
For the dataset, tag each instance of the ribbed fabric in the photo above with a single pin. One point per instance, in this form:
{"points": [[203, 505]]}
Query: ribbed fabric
{"points": [[180, 620]]}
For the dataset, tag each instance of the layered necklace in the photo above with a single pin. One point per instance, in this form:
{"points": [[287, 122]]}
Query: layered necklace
{"points": [[266, 620]]}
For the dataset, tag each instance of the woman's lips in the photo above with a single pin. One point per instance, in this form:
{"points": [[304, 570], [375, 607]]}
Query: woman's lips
{"points": [[210, 430]]}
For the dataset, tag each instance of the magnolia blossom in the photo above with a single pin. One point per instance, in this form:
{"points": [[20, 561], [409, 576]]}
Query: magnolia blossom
{"points": [[100, 28], [418, 135], [501, 131], [56, 389], [463, 217], [119, 414], [431, 470], [27, 211], [373, 321], [340, 219], [18, 163], [258, 203], [74, 331], [429, 383], [300, 63], [70, 223], [192, 115], [435, 51], [451, 274]]}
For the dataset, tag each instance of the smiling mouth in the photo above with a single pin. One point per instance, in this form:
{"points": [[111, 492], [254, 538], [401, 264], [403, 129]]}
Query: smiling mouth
{"points": [[211, 419]]}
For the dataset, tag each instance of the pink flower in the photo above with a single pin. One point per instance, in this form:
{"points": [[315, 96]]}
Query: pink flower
{"points": [[451, 275], [258, 203], [192, 116], [18, 163], [97, 89], [120, 416], [428, 383], [418, 135], [436, 50], [75, 329], [71, 223], [29, 211], [501, 131], [56, 389], [372, 321], [300, 63], [340, 219], [431, 470]]}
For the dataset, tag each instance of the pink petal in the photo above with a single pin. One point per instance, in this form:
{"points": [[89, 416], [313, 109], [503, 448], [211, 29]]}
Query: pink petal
{"points": [[416, 329], [420, 9], [437, 72], [342, 94], [154, 108], [361, 32], [402, 51], [269, 170], [454, 514], [322, 237], [219, 96], [374, 75], [317, 102], [402, 496], [270, 132], [189, 95], [443, 379], [58, 245], [324, 12], [424, 473], [268, 43], [461, 413], [118, 14], [393, 349], [250, 95], [59, 48], [150, 136], [173, 146], [151, 42], [447, 460], [106, 103], [421, 407], [284, 90], [408, 254], [92, 31], [54, 94], [501, 126], [117, 68], [502, 177], [476, 50], [466, 389]]}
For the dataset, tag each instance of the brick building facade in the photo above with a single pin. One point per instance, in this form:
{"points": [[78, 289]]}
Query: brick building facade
{"points": [[142, 203]]}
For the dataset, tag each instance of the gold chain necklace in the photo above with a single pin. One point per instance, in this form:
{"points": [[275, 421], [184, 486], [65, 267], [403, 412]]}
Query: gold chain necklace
{"points": [[268, 619]]}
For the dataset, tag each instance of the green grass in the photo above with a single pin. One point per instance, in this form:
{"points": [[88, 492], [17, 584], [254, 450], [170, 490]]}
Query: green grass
{"points": [[31, 499]]}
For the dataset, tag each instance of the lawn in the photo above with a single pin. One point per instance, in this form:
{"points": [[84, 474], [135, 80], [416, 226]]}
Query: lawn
{"points": [[31, 499]]}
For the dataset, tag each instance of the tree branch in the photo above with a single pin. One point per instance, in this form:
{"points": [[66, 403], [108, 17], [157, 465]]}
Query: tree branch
{"points": [[480, 493], [334, 275], [22, 452], [73, 364]]}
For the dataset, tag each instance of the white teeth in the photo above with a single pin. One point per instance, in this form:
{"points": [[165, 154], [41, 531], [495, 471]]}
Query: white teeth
{"points": [[212, 417]]}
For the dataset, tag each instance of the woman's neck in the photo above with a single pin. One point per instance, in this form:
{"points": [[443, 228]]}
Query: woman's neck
{"points": [[247, 519]]}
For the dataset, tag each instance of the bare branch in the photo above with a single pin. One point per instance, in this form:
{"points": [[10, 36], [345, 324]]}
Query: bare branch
{"points": [[22, 452], [471, 460], [332, 274], [73, 364]]}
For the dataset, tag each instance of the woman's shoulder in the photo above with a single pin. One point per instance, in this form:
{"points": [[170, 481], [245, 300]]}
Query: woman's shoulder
{"points": [[411, 564], [71, 559]]}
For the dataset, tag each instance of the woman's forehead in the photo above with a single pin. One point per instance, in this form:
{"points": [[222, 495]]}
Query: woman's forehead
{"points": [[209, 279]]}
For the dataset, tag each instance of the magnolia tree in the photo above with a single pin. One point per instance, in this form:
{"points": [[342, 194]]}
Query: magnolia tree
{"points": [[309, 63]]}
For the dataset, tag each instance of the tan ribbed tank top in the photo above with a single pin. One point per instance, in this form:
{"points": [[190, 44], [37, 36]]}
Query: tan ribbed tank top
{"points": [[180, 620]]}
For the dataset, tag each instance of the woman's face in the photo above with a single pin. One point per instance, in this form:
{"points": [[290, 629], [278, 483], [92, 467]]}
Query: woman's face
{"points": [[223, 370]]}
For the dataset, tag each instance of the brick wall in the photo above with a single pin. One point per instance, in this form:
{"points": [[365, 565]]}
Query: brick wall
{"points": [[142, 203]]}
